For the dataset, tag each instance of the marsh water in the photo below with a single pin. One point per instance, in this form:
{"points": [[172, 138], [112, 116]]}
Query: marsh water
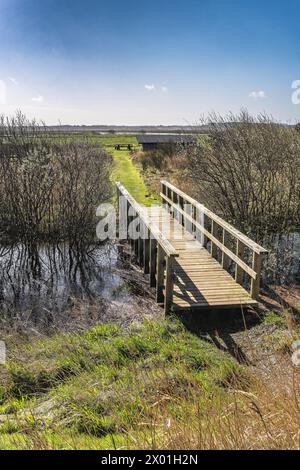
{"points": [[282, 265], [43, 282], [48, 279]]}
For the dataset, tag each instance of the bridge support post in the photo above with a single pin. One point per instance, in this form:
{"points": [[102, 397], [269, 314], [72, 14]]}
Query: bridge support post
{"points": [[146, 250], [160, 275], [153, 255], [136, 247], [255, 283], [214, 232], [169, 286], [135, 239], [118, 213], [225, 258], [123, 217], [141, 244], [130, 235], [239, 273]]}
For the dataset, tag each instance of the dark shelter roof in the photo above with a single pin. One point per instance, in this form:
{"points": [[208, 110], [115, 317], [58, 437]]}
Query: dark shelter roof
{"points": [[165, 139]]}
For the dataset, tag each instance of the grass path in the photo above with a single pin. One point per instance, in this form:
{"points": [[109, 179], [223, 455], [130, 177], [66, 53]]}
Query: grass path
{"points": [[126, 172]]}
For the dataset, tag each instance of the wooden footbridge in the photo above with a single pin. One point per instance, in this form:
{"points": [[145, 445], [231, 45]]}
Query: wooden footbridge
{"points": [[194, 259]]}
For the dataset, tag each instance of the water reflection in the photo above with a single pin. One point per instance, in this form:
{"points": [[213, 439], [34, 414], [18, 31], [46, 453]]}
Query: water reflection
{"points": [[282, 265], [44, 279], [39, 283]]}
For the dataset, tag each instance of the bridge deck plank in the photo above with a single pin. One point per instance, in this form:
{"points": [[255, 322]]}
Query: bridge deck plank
{"points": [[200, 281]]}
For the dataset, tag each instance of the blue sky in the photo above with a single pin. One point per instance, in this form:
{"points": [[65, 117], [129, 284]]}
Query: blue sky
{"points": [[148, 62]]}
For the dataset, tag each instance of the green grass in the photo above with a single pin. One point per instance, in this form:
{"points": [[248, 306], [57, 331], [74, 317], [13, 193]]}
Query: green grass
{"points": [[113, 139], [109, 388], [125, 171], [58, 441], [280, 338], [128, 174], [273, 318]]}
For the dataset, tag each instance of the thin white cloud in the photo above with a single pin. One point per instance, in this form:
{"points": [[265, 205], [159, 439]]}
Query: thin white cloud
{"points": [[150, 87], [13, 80], [38, 99], [257, 94]]}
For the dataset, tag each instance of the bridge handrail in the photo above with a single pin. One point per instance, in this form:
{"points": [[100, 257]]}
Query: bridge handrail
{"points": [[154, 230], [169, 193], [229, 228]]}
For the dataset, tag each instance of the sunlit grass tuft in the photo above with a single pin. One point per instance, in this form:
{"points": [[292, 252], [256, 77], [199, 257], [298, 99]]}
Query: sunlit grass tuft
{"points": [[109, 382]]}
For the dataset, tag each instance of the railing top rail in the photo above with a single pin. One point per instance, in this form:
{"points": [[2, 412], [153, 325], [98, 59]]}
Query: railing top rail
{"points": [[229, 228], [156, 233]]}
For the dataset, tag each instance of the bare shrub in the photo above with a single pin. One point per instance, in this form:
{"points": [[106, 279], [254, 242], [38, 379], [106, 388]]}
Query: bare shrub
{"points": [[83, 172], [49, 190], [249, 172]]}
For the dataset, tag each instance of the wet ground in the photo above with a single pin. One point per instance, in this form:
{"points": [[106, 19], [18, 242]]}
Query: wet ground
{"points": [[57, 288]]}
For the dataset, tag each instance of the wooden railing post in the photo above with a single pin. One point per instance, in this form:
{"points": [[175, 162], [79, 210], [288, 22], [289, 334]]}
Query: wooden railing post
{"points": [[214, 232], [169, 285], [130, 218], [239, 273], [118, 212], [160, 275], [181, 215], [140, 244], [123, 217], [199, 219], [136, 241], [205, 237], [225, 258], [163, 191], [169, 194], [188, 223], [146, 250], [255, 283], [153, 256], [185, 220]]}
